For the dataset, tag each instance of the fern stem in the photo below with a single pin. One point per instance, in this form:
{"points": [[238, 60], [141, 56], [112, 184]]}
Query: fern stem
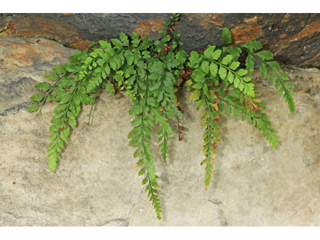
{"points": [[154, 198], [229, 69], [43, 101], [227, 102], [237, 107], [267, 63], [256, 122], [269, 132], [209, 164], [171, 35], [164, 142], [147, 159], [232, 71], [74, 90], [93, 102]]}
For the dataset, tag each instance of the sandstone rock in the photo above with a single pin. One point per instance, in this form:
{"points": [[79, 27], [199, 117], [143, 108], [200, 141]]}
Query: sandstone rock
{"points": [[96, 182], [22, 62]]}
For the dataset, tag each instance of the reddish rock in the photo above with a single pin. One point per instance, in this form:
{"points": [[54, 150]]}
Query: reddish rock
{"points": [[7, 26], [148, 27], [18, 52], [293, 38], [81, 44], [216, 19], [308, 30], [4, 27], [35, 26], [43, 27], [247, 31]]}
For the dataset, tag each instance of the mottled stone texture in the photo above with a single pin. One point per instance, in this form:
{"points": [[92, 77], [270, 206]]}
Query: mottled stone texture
{"points": [[22, 61], [96, 182], [293, 38]]}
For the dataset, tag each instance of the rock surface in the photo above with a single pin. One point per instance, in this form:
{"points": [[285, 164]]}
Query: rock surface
{"points": [[23, 60], [96, 182], [293, 38]]}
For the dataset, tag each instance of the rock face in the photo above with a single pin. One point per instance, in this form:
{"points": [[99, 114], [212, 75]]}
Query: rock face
{"points": [[96, 182], [23, 60], [293, 38]]}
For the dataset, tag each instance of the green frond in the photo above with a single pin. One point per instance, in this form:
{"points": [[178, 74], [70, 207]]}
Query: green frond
{"points": [[276, 77]]}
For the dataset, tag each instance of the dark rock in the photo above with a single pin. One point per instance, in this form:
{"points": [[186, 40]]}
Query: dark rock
{"points": [[293, 38]]}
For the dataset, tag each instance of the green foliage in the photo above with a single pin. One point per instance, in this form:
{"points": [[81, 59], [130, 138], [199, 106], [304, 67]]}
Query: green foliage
{"points": [[226, 36], [152, 73], [280, 79]]}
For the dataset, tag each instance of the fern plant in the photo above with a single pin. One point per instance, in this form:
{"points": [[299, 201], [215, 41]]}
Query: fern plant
{"points": [[152, 73]]}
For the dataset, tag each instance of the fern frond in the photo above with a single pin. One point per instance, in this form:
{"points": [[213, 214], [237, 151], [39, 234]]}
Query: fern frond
{"points": [[276, 77], [161, 81], [165, 130], [47, 88], [264, 124], [213, 64], [259, 119], [66, 113], [226, 36], [69, 93], [141, 135], [163, 145], [151, 188], [287, 94], [211, 138]]}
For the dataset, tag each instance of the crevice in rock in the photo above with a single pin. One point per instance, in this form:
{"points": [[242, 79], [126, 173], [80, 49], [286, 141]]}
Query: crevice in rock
{"points": [[215, 202], [56, 40], [134, 206], [124, 221], [222, 219], [15, 109]]}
